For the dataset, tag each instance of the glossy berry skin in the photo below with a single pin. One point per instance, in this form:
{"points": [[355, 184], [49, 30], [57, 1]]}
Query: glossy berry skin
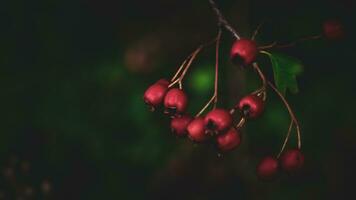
{"points": [[154, 95], [229, 140], [292, 160], [217, 121], [267, 168], [243, 52], [196, 130], [251, 106], [175, 101], [333, 30], [179, 125]]}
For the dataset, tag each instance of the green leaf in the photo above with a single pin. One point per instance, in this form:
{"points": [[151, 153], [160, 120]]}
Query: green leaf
{"points": [[285, 70]]}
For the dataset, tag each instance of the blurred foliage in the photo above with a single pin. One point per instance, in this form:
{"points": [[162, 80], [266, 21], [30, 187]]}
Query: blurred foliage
{"points": [[73, 73]]}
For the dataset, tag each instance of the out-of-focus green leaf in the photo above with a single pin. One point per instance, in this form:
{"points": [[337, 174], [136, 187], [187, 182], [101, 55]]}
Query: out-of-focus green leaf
{"points": [[285, 70], [202, 80]]}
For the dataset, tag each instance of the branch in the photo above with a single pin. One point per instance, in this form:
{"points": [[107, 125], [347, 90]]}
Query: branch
{"points": [[222, 21], [290, 44]]}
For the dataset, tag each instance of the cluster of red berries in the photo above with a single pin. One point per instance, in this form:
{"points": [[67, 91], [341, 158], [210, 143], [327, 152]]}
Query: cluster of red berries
{"points": [[291, 161], [218, 124]]}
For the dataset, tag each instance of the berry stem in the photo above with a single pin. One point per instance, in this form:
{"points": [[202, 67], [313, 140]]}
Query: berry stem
{"points": [[275, 44], [189, 60], [241, 123], [186, 65], [214, 98], [222, 21], [291, 113], [181, 68], [206, 106], [216, 82], [286, 139], [262, 90], [257, 30]]}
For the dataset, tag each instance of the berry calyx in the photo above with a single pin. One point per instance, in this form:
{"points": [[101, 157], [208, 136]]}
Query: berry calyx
{"points": [[179, 125], [267, 168], [252, 106], [333, 30], [217, 121], [243, 52], [175, 102], [154, 95], [292, 160], [196, 130], [229, 140]]}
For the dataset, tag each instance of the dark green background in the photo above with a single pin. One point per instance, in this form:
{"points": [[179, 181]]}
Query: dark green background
{"points": [[72, 76]]}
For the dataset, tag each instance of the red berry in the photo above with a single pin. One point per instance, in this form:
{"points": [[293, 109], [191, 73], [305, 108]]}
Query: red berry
{"points": [[252, 106], [267, 168], [175, 101], [179, 125], [154, 95], [292, 160], [243, 52], [196, 130], [217, 121], [333, 30], [163, 82], [229, 140]]}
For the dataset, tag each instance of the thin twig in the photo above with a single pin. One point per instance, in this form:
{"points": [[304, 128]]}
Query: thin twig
{"points": [[216, 82], [223, 21], [241, 123], [290, 44], [263, 79], [286, 139], [214, 98], [186, 65], [206, 106], [181, 68], [260, 73], [189, 60], [291, 113], [256, 31], [190, 63]]}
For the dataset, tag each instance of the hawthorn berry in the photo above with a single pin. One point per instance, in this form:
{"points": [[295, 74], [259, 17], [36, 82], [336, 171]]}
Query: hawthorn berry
{"points": [[243, 52], [217, 121], [179, 124], [196, 130], [163, 82], [333, 30], [267, 168], [175, 102], [229, 140], [154, 95], [292, 160], [251, 106]]}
